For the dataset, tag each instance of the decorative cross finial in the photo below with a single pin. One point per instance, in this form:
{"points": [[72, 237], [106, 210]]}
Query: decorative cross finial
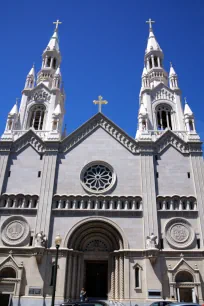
{"points": [[170, 64], [17, 101], [100, 101], [57, 24], [185, 100], [150, 21]]}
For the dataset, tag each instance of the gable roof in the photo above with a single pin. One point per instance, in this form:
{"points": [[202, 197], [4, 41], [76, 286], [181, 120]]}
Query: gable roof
{"points": [[99, 120], [170, 138], [30, 137]]}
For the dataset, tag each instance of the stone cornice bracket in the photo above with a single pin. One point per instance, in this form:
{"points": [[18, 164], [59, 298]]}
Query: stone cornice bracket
{"points": [[152, 254], [38, 253]]}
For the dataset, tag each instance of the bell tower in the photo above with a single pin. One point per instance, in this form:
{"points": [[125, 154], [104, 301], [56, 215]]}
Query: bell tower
{"points": [[42, 103], [160, 100]]}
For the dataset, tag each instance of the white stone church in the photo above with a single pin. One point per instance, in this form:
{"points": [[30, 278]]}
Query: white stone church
{"points": [[130, 211]]}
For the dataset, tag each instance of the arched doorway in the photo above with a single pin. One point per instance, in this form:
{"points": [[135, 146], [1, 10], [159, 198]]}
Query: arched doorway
{"points": [[185, 287], [95, 260], [7, 276]]}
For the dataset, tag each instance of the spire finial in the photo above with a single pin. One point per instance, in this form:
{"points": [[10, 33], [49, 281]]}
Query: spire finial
{"points": [[170, 64], [185, 100], [57, 24], [100, 101], [17, 101], [150, 21]]}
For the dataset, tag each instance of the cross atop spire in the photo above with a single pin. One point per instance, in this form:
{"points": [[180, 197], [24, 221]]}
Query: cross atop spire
{"points": [[57, 24], [100, 101], [150, 21]]}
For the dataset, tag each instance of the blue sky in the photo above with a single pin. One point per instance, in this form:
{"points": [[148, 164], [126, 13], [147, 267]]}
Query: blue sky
{"points": [[102, 44]]}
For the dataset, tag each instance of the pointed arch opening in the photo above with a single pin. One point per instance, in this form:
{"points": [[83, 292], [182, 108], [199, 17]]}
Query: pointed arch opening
{"points": [[37, 115], [7, 272], [164, 117]]}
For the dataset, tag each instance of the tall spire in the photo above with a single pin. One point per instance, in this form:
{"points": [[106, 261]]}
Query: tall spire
{"points": [[154, 59], [173, 78], [152, 43], [187, 109], [54, 41]]}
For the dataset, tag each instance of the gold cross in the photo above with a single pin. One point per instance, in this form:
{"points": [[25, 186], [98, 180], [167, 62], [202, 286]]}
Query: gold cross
{"points": [[150, 21], [57, 24], [100, 101]]}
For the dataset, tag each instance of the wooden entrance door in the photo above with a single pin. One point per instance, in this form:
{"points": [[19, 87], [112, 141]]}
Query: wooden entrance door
{"points": [[186, 295], [96, 284], [4, 299]]}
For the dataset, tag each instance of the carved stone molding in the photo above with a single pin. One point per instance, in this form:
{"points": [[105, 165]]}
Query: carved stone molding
{"points": [[169, 138], [99, 120], [15, 231], [179, 233], [29, 138]]}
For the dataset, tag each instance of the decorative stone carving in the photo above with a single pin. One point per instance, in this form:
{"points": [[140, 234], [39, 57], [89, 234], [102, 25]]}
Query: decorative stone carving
{"points": [[151, 241], [40, 239], [40, 96], [29, 138], [179, 233], [15, 231], [96, 246]]}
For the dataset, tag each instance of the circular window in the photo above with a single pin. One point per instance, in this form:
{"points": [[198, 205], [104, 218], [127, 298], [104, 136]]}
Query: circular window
{"points": [[98, 177]]}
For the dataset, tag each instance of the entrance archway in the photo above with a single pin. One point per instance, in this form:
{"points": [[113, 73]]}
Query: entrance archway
{"points": [[92, 259], [185, 287]]}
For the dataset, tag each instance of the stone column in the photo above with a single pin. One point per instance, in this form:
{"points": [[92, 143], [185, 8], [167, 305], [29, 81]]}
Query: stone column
{"points": [[121, 275], [74, 275], [69, 276], [112, 267], [3, 162], [79, 274], [116, 277]]}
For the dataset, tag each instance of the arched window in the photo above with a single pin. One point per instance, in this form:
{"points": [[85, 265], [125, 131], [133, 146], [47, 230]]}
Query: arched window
{"points": [[191, 125], [8, 273], [155, 62], [48, 62], [184, 276], [54, 64], [150, 63], [163, 115], [37, 117]]}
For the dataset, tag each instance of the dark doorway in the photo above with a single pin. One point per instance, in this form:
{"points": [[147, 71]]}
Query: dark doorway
{"points": [[4, 298], [186, 295], [96, 284]]}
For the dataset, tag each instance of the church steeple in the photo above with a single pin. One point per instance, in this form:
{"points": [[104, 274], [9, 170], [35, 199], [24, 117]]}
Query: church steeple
{"points": [[154, 59], [42, 103], [173, 78], [51, 59]]}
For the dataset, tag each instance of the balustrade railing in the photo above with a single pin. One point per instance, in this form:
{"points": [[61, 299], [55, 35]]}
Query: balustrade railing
{"points": [[97, 203]]}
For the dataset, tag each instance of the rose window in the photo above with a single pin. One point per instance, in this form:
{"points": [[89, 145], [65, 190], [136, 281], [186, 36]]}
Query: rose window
{"points": [[97, 178]]}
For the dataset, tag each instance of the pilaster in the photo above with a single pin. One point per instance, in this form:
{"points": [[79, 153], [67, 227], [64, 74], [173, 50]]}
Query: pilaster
{"points": [[149, 194], [4, 156], [46, 190]]}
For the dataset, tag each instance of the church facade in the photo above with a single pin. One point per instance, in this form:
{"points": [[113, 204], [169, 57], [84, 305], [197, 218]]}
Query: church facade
{"points": [[130, 212]]}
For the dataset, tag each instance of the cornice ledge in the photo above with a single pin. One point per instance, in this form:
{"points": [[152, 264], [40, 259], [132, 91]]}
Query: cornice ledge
{"points": [[5, 145]]}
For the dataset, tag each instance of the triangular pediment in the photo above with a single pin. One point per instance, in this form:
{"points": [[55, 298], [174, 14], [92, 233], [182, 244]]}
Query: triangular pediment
{"points": [[10, 261], [99, 121], [169, 138], [182, 265], [29, 138], [162, 92]]}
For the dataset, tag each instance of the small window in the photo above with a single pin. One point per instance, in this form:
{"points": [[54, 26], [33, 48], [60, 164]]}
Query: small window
{"points": [[41, 156], [137, 277], [31, 241], [161, 243], [188, 174], [9, 173], [54, 63], [198, 243], [48, 61], [154, 294], [39, 173], [157, 174]]}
